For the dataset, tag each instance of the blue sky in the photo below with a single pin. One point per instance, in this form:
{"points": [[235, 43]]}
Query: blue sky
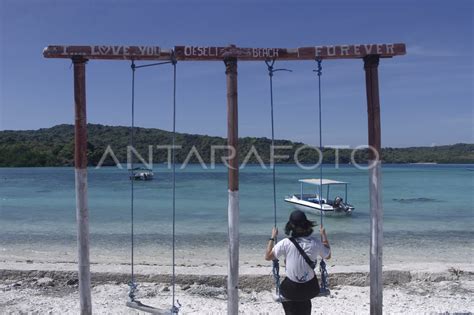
{"points": [[426, 96]]}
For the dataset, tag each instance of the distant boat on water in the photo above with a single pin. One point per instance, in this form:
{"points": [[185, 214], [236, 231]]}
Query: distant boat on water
{"points": [[141, 173]]}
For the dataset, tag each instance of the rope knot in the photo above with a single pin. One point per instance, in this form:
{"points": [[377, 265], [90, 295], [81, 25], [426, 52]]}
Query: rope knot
{"points": [[133, 288], [174, 61], [319, 70]]}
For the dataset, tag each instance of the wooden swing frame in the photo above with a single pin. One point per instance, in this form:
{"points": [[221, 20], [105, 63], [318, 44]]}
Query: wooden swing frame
{"points": [[370, 53]]}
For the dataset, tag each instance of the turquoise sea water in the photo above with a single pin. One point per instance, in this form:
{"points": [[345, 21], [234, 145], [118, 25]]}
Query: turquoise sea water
{"points": [[428, 210]]}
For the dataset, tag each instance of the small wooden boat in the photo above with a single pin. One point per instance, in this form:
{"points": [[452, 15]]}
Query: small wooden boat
{"points": [[312, 203]]}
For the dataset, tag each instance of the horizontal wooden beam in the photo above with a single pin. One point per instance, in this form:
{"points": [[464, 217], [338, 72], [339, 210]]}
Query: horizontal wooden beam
{"points": [[303, 53], [214, 53], [108, 52]]}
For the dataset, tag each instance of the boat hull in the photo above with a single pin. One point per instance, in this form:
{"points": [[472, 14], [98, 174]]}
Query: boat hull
{"points": [[142, 176], [315, 208]]}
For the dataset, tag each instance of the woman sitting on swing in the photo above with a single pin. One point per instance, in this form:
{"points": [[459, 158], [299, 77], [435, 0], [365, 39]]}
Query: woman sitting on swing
{"points": [[300, 284]]}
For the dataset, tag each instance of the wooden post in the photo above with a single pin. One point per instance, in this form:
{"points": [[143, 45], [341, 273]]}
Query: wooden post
{"points": [[80, 163], [371, 64], [233, 178]]}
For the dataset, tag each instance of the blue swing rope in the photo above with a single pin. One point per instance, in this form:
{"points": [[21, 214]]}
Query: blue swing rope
{"points": [[132, 284], [174, 307], [276, 263], [322, 264]]}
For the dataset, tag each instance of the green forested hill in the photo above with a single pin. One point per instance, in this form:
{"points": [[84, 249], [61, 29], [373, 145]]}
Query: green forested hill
{"points": [[54, 147]]}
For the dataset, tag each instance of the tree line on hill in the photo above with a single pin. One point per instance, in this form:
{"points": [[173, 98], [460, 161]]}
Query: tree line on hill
{"points": [[55, 147]]}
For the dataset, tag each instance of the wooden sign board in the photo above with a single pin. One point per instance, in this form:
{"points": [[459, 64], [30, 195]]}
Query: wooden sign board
{"points": [[108, 52], [215, 53], [304, 53]]}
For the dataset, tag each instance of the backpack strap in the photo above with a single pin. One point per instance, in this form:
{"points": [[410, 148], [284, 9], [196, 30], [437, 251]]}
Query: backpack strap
{"points": [[311, 263]]}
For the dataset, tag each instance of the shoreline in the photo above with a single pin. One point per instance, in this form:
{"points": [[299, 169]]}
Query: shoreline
{"points": [[256, 282], [253, 278], [434, 290]]}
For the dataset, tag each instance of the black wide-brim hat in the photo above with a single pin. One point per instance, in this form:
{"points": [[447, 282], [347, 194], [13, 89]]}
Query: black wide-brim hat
{"points": [[299, 218]]}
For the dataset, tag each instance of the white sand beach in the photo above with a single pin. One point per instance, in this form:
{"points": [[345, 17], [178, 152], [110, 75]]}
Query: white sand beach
{"points": [[51, 288]]}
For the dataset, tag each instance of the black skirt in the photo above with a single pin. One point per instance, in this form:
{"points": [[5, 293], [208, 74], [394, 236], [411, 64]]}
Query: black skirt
{"points": [[297, 291]]}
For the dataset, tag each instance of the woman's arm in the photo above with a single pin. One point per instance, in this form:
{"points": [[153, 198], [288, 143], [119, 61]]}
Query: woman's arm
{"points": [[325, 241], [271, 242]]}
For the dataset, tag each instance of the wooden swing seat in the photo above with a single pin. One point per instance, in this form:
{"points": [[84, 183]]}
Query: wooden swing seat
{"points": [[148, 309]]}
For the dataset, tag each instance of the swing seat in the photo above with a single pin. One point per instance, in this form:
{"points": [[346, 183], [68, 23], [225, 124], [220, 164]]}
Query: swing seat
{"points": [[137, 305], [279, 298]]}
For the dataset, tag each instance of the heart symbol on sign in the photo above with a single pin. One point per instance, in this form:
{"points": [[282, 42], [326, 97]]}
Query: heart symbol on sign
{"points": [[104, 50]]}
